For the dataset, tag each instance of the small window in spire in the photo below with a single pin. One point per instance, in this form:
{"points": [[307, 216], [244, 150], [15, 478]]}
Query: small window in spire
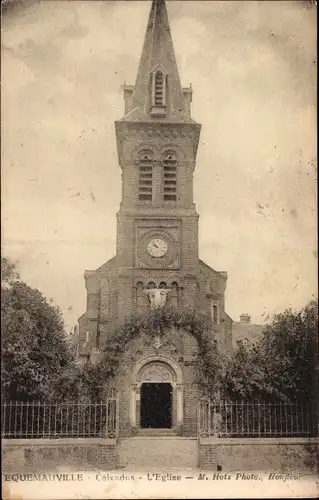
{"points": [[159, 89], [158, 92]]}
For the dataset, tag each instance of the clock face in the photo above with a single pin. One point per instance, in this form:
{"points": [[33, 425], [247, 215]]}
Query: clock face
{"points": [[157, 247]]}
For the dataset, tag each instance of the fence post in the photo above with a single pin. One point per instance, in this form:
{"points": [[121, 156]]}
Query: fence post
{"points": [[3, 430], [117, 418], [198, 431], [49, 430], [198, 418], [107, 418], [259, 416], [15, 418]]}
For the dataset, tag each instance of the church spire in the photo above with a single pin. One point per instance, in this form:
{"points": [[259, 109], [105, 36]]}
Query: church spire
{"points": [[157, 92]]}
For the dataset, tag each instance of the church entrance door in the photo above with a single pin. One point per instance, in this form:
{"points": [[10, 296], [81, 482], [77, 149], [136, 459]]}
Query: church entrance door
{"points": [[156, 406]]}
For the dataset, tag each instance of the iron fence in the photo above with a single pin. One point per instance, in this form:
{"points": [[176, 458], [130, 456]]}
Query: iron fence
{"points": [[38, 420], [256, 419]]}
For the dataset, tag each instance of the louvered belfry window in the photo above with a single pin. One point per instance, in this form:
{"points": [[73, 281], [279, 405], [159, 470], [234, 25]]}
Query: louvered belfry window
{"points": [[170, 178], [145, 178], [159, 89]]}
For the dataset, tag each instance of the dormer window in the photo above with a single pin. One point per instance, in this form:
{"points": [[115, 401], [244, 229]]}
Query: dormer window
{"points": [[158, 79]]}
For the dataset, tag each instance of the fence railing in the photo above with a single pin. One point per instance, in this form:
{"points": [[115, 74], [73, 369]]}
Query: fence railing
{"points": [[256, 419], [38, 420]]}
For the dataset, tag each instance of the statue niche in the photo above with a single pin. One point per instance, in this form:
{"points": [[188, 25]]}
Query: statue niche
{"points": [[155, 296]]}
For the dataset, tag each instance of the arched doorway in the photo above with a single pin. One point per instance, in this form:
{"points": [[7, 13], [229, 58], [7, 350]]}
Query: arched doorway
{"points": [[157, 394]]}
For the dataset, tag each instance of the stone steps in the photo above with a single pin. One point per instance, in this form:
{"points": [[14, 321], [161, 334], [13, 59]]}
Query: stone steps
{"points": [[162, 452], [156, 432]]}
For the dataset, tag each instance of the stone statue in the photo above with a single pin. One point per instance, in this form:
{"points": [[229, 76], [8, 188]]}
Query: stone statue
{"points": [[157, 297]]}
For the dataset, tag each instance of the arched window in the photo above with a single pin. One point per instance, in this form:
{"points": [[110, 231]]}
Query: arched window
{"points": [[151, 285], [145, 186], [139, 285], [170, 177], [162, 284]]}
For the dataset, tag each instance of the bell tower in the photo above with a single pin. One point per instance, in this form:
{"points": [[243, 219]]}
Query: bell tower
{"points": [[157, 140], [156, 257]]}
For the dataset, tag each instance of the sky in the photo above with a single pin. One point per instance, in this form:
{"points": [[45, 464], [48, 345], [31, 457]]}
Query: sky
{"points": [[252, 66]]}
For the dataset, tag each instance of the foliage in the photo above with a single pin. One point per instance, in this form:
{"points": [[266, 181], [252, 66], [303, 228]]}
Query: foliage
{"points": [[35, 348], [9, 272], [73, 384], [282, 364], [210, 369]]}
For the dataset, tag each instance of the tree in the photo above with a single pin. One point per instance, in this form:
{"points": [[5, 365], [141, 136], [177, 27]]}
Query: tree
{"points": [[35, 348], [283, 363], [9, 272]]}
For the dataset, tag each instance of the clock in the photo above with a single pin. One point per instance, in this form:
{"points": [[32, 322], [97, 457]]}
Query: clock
{"points": [[157, 247]]}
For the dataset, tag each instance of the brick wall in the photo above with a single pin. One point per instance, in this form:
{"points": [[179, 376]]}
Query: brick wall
{"points": [[268, 454], [208, 456], [191, 396], [34, 455], [271, 454]]}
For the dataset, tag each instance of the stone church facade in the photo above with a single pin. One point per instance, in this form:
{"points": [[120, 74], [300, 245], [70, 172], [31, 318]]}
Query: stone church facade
{"points": [[157, 260]]}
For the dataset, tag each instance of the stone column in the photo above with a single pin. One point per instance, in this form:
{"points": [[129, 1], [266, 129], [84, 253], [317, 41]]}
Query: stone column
{"points": [[157, 183], [180, 405], [133, 405]]}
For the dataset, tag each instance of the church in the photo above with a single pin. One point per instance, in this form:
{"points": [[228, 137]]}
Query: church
{"points": [[157, 261]]}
